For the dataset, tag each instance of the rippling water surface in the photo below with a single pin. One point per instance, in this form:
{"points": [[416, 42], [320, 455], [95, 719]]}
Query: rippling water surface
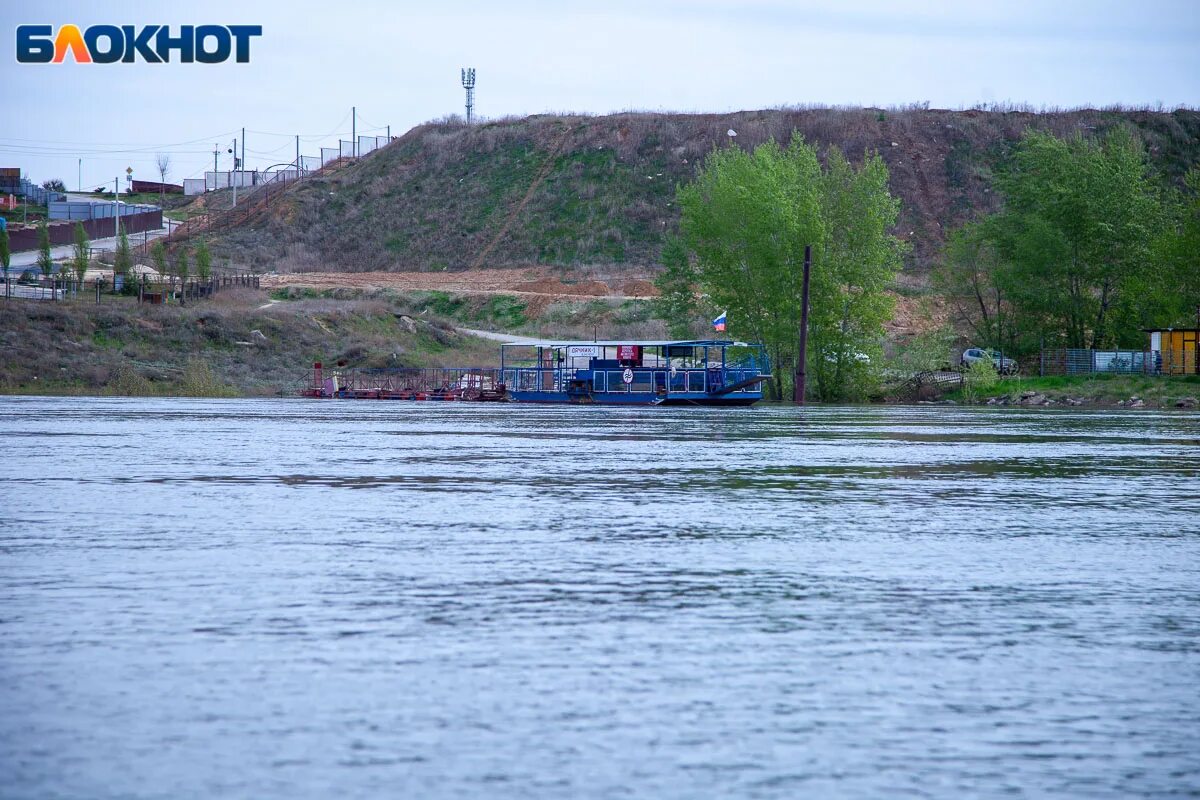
{"points": [[338, 599]]}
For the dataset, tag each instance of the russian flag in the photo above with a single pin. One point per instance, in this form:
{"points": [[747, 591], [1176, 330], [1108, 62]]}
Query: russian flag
{"points": [[719, 322]]}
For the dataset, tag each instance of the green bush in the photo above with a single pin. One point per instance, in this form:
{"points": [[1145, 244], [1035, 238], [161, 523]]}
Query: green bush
{"points": [[978, 379]]}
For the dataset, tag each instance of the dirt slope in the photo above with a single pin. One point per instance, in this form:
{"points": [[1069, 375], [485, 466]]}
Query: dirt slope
{"points": [[573, 190]]}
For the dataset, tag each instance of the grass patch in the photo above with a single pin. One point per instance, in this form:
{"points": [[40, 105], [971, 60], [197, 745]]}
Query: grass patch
{"points": [[1099, 389]]}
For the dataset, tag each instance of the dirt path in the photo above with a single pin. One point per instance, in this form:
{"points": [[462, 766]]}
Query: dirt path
{"points": [[530, 282], [547, 168], [494, 336]]}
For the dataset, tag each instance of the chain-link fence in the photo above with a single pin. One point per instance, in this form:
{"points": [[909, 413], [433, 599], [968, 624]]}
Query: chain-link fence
{"points": [[1073, 361]]}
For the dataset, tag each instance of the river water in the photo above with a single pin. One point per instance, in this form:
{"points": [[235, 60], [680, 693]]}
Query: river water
{"points": [[307, 599]]}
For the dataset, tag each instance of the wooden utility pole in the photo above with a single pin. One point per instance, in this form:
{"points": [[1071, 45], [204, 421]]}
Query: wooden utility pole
{"points": [[802, 354]]}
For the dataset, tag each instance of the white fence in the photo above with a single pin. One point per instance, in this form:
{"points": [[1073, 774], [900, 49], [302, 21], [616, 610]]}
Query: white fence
{"points": [[227, 180], [93, 209], [367, 144], [247, 178]]}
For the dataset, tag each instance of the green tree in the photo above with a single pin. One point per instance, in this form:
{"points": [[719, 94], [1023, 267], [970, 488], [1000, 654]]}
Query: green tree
{"points": [[158, 254], [858, 259], [123, 262], [1178, 252], [1074, 241], [747, 218], [44, 262], [925, 351], [5, 252], [82, 252], [970, 276], [203, 261], [181, 269], [676, 302]]}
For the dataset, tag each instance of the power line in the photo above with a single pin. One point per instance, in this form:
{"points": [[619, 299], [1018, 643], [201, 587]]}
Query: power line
{"points": [[335, 131], [68, 153], [115, 144]]}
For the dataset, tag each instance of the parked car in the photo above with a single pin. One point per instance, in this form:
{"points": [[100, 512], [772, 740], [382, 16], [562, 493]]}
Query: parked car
{"points": [[1003, 364]]}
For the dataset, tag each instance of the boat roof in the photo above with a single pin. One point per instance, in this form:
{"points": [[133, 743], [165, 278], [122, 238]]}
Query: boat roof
{"points": [[635, 342]]}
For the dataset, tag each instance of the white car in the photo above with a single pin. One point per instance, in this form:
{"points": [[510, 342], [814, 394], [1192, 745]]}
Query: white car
{"points": [[1003, 364]]}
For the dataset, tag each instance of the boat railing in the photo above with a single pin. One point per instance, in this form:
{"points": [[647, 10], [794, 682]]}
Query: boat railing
{"points": [[645, 380], [458, 382]]}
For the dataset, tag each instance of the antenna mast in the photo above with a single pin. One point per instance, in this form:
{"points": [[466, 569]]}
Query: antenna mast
{"points": [[468, 82]]}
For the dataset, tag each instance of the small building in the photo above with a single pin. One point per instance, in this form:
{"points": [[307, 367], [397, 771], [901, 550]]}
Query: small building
{"points": [[1175, 349]]}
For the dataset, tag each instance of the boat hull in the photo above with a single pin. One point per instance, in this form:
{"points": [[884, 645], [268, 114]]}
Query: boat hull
{"points": [[633, 399]]}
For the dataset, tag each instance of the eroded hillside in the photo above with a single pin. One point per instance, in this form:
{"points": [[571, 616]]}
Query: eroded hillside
{"points": [[573, 190]]}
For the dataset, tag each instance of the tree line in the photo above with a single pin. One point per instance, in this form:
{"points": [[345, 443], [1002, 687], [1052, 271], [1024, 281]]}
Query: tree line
{"points": [[1091, 246]]}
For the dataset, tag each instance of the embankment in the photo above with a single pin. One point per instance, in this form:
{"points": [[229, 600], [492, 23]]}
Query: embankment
{"points": [[239, 343]]}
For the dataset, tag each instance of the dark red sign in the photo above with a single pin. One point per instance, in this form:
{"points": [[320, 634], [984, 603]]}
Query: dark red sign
{"points": [[629, 352]]}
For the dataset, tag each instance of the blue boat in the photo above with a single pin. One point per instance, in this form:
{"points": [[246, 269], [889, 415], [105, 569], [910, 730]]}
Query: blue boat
{"points": [[701, 373]]}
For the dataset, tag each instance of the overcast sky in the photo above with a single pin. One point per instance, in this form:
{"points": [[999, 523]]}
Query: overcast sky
{"points": [[399, 62]]}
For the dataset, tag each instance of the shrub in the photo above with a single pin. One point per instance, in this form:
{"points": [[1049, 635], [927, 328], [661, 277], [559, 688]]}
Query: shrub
{"points": [[979, 378]]}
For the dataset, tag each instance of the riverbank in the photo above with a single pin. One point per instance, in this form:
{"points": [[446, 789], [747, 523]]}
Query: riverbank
{"points": [[1100, 390], [246, 342], [239, 343]]}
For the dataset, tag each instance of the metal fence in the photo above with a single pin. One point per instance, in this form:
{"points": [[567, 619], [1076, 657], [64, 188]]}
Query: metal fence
{"points": [[1070, 361], [367, 144], [26, 237], [34, 194], [262, 186], [154, 291], [431, 383]]}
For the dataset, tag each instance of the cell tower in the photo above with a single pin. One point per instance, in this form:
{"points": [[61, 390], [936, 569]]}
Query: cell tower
{"points": [[468, 82]]}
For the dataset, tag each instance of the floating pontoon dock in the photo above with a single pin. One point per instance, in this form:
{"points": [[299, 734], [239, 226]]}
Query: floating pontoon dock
{"points": [[676, 372]]}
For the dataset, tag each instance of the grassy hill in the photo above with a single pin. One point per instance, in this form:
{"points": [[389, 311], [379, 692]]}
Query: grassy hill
{"points": [[572, 190]]}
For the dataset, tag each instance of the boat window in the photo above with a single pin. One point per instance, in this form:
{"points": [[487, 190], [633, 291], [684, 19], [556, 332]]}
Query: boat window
{"points": [[696, 381], [597, 381]]}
